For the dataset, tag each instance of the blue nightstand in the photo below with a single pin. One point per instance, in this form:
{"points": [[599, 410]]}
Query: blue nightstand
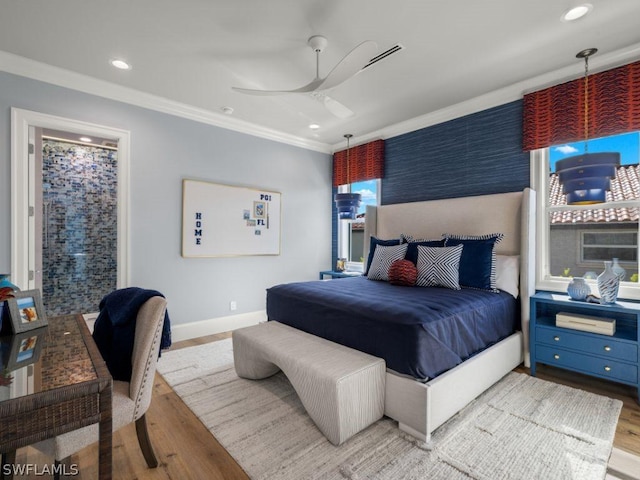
{"points": [[334, 274], [613, 357]]}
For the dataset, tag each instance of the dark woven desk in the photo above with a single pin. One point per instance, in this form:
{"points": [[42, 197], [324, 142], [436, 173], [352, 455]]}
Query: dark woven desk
{"points": [[73, 389]]}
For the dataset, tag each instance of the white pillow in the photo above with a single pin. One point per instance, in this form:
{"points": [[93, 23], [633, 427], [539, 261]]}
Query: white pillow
{"points": [[508, 273], [383, 257]]}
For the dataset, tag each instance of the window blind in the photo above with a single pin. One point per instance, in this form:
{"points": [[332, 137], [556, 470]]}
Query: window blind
{"points": [[366, 162], [556, 114]]}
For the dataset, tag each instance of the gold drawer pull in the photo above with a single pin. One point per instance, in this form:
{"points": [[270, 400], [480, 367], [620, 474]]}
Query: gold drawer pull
{"points": [[607, 368], [607, 348], [556, 356], [556, 338]]}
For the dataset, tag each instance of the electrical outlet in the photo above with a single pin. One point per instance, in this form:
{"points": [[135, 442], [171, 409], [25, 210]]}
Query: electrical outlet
{"points": [[233, 305]]}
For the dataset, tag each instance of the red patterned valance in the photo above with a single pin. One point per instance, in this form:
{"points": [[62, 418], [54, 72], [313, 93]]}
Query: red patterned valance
{"points": [[366, 162], [556, 114]]}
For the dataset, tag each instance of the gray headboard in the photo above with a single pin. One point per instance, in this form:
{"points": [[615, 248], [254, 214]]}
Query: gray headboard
{"points": [[512, 214]]}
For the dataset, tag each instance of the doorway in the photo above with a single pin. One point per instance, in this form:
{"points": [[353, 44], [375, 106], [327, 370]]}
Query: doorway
{"points": [[75, 220], [69, 210]]}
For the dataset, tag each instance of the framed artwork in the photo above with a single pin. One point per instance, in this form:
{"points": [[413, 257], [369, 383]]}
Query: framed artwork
{"points": [[24, 349], [26, 311], [259, 209], [228, 220]]}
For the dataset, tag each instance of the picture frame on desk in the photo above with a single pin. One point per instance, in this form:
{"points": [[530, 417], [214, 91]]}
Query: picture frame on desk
{"points": [[26, 311], [22, 349]]}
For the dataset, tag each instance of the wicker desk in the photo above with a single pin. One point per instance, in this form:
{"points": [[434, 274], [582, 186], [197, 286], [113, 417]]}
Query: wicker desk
{"points": [[67, 386]]}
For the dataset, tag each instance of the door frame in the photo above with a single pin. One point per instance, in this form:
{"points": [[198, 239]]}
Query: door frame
{"points": [[23, 195]]}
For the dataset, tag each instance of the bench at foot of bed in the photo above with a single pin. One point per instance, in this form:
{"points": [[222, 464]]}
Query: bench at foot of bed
{"points": [[342, 389]]}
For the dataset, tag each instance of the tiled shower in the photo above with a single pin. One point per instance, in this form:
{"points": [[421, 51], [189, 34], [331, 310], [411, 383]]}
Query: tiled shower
{"points": [[79, 227]]}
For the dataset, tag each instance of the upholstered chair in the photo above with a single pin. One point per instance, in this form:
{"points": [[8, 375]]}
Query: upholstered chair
{"points": [[130, 399]]}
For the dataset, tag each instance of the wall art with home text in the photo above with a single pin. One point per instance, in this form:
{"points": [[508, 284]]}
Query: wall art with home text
{"points": [[226, 220]]}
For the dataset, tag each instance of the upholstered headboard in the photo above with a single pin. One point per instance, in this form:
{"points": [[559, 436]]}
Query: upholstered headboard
{"points": [[512, 214]]}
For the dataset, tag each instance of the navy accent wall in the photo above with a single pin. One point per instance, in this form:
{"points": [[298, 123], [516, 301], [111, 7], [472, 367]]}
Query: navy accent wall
{"points": [[477, 154]]}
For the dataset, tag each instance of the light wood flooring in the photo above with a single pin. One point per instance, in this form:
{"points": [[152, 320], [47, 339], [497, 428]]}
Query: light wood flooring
{"points": [[186, 450]]}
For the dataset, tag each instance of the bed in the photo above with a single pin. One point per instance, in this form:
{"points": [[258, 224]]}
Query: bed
{"points": [[469, 339], [419, 332]]}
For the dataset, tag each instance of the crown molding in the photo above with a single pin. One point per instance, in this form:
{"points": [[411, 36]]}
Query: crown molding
{"points": [[43, 72], [501, 96], [64, 78]]}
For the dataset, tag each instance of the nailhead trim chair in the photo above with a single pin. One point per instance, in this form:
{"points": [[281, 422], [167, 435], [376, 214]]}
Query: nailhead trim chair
{"points": [[130, 399]]}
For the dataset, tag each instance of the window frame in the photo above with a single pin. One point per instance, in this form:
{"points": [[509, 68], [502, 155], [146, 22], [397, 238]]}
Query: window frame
{"points": [[539, 171], [344, 227]]}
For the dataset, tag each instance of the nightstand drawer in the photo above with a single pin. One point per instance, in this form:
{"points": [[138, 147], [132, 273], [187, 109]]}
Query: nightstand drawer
{"points": [[602, 367], [588, 343]]}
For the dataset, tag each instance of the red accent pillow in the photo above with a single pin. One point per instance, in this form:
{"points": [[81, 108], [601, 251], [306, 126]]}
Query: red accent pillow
{"points": [[403, 272]]}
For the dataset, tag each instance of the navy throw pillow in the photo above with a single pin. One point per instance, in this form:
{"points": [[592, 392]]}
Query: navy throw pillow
{"points": [[412, 249], [478, 260]]}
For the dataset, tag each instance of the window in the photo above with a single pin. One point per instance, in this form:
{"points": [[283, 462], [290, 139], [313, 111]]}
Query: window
{"points": [[575, 240], [351, 232], [598, 246]]}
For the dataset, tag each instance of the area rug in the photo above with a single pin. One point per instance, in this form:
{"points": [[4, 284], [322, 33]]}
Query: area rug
{"points": [[521, 428]]}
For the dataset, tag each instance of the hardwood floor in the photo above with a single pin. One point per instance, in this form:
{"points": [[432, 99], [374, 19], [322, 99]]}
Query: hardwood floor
{"points": [[186, 450], [184, 447]]}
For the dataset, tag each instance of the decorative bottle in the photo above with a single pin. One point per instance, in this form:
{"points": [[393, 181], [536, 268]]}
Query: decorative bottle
{"points": [[608, 283], [618, 270], [578, 289]]}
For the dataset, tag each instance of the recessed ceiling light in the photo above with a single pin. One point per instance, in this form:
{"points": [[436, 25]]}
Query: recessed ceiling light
{"points": [[85, 139], [227, 110], [121, 64], [576, 12], [314, 126]]}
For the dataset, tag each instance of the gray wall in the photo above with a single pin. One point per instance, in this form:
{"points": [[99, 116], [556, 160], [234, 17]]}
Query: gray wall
{"points": [[164, 150]]}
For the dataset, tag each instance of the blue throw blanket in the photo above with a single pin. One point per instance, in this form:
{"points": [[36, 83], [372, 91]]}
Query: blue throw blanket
{"points": [[115, 327]]}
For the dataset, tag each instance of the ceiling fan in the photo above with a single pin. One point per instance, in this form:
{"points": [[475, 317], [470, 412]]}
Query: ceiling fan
{"points": [[349, 66]]}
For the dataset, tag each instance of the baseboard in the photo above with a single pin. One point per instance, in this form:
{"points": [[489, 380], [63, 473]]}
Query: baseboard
{"points": [[623, 465], [186, 331]]}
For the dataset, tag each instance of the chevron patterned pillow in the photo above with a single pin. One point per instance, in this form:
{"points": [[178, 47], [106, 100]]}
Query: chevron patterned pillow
{"points": [[403, 272], [438, 267], [383, 257], [373, 243]]}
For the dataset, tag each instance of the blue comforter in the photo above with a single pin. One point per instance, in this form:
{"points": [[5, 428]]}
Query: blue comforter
{"points": [[419, 331]]}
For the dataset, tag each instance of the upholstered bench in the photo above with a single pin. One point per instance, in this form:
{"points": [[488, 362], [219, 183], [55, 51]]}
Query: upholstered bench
{"points": [[342, 389]]}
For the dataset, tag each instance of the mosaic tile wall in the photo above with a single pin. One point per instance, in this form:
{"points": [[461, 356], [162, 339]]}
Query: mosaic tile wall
{"points": [[79, 238]]}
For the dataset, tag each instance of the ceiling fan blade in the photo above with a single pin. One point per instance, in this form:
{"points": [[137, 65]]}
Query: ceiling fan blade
{"points": [[337, 108], [310, 87], [351, 64]]}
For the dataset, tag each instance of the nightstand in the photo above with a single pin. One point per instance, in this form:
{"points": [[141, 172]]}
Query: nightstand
{"points": [[334, 274], [612, 357]]}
